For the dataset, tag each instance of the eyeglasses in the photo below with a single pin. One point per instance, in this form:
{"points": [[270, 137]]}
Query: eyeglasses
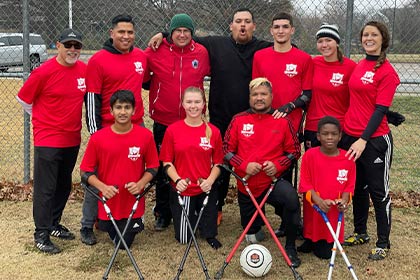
{"points": [[76, 46]]}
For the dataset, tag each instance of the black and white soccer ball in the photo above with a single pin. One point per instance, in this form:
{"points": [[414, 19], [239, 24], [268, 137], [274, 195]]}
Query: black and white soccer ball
{"points": [[256, 260]]}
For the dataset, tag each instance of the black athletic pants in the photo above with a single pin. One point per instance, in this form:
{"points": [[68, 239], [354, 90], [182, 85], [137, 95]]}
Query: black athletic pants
{"points": [[53, 169], [162, 208], [372, 180], [285, 201], [193, 204]]}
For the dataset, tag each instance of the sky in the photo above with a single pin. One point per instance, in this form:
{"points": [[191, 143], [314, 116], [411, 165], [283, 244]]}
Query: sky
{"points": [[359, 5]]}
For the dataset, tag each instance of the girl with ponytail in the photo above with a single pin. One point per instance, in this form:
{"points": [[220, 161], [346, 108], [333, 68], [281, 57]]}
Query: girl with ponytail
{"points": [[191, 152]]}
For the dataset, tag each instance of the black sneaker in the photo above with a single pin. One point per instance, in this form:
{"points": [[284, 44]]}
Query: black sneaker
{"points": [[62, 232], [306, 247], [44, 244], [356, 239], [378, 254], [88, 236], [161, 223], [293, 256]]}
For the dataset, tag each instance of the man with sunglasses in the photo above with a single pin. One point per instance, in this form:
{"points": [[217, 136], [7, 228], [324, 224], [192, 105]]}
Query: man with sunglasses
{"points": [[117, 66], [53, 96]]}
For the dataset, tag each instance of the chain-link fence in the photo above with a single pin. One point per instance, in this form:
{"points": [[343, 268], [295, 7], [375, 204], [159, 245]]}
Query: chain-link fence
{"points": [[92, 19]]}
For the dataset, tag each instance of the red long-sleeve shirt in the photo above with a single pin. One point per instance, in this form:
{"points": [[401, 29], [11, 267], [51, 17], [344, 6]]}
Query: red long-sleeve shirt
{"points": [[258, 138]]}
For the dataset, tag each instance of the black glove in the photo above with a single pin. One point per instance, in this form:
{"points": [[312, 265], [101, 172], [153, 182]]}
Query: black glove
{"points": [[214, 243], [395, 118], [287, 108]]}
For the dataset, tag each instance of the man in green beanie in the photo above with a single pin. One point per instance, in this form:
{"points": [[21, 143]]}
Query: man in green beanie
{"points": [[179, 63], [231, 71]]}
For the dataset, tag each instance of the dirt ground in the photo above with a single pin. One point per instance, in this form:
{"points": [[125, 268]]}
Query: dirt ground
{"points": [[158, 255]]}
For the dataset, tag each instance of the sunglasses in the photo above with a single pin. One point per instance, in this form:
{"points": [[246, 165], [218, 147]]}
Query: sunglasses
{"points": [[76, 46]]}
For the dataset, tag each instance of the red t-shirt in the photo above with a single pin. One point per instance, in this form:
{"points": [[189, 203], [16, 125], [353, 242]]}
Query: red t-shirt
{"points": [[330, 177], [108, 72], [330, 91], [191, 153], [56, 93], [289, 73], [119, 159], [367, 89], [258, 138]]}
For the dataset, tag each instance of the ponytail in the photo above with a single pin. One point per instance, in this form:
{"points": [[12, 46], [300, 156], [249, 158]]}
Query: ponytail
{"points": [[340, 55], [380, 61], [208, 128]]}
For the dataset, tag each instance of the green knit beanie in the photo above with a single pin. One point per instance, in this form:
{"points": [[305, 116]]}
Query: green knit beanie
{"points": [[181, 20]]}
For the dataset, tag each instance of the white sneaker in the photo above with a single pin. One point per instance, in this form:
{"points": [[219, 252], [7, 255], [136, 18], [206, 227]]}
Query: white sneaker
{"points": [[256, 237]]}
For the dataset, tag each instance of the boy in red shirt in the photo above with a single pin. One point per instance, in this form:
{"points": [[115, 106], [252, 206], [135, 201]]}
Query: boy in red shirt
{"points": [[330, 177], [119, 161]]}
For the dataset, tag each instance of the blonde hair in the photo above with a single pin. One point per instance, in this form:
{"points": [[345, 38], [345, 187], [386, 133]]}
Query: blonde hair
{"points": [[203, 117], [260, 82]]}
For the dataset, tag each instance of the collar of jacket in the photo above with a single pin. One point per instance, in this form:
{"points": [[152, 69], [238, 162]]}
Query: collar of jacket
{"points": [[172, 47], [269, 112]]}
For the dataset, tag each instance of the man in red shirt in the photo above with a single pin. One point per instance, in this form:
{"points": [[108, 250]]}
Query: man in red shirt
{"points": [[53, 96], [288, 68], [119, 161], [260, 146], [119, 65]]}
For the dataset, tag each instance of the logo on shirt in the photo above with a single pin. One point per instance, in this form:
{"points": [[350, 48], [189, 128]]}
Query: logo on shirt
{"points": [[337, 79], [205, 144], [81, 84], [134, 153], [342, 176], [194, 63], [247, 130], [139, 67], [368, 77], [291, 70]]}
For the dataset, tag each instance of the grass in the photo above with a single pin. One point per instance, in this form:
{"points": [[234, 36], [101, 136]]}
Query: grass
{"points": [[406, 163], [158, 254]]}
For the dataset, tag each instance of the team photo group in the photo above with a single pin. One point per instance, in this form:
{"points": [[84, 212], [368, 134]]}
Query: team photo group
{"points": [[307, 135]]}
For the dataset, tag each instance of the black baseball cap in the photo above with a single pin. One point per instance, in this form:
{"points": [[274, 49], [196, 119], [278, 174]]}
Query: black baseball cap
{"points": [[69, 34]]}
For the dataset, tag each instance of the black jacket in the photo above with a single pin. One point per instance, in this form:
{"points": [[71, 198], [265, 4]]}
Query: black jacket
{"points": [[231, 72]]}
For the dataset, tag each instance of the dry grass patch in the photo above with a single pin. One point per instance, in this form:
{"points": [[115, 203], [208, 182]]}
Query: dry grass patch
{"points": [[158, 255]]}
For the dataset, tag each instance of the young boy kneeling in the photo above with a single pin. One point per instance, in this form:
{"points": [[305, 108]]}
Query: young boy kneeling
{"points": [[119, 161], [330, 177]]}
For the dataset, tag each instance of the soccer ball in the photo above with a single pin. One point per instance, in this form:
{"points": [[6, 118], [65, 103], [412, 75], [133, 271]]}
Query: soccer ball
{"points": [[256, 260]]}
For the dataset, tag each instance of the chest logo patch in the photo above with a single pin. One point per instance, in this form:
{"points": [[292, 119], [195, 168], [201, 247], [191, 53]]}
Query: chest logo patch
{"points": [[204, 143], [368, 77], [81, 84], [134, 153], [194, 63], [337, 79], [342, 176], [247, 130], [291, 70], [138, 67]]}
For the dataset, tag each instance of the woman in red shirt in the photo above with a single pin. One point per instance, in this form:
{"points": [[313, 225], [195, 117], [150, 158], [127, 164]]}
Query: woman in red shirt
{"points": [[191, 152], [368, 139]]}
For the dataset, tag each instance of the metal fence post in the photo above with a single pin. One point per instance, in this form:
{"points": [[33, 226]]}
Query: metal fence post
{"points": [[349, 24], [26, 117]]}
